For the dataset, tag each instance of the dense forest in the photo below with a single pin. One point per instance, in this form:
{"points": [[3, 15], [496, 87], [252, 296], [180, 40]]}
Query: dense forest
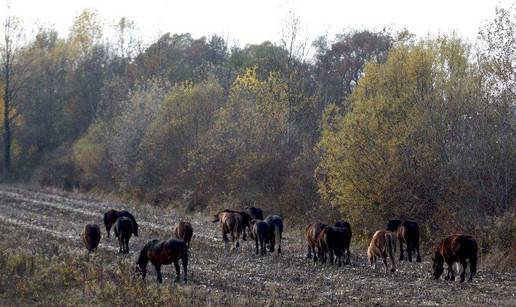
{"points": [[374, 124]]}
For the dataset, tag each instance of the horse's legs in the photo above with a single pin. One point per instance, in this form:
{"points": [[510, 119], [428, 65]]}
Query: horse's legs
{"points": [[409, 251], [348, 256], [108, 230], [385, 264], [158, 273], [463, 273], [309, 254], [472, 267], [401, 250], [178, 271], [120, 245], [184, 261], [451, 274], [127, 245], [271, 244], [418, 258], [256, 243], [263, 247]]}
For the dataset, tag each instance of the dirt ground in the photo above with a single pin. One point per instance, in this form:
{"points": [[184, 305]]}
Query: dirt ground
{"points": [[239, 277]]}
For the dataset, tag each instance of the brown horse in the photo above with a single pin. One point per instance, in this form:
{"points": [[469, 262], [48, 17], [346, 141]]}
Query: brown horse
{"points": [[456, 248], [335, 242], [162, 253], [312, 232], [407, 233], [382, 245], [112, 215], [184, 231], [246, 221], [230, 223], [91, 236]]}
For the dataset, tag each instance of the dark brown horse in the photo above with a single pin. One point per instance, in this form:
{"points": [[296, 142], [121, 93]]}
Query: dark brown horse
{"points": [[91, 236], [112, 215], [123, 231], [163, 253], [246, 221], [407, 233], [382, 245], [456, 248], [334, 242], [275, 224], [260, 233], [230, 223], [184, 231], [312, 232]]}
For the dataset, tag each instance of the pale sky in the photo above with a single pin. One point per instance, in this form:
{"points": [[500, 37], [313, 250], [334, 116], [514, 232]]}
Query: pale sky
{"points": [[242, 21]]}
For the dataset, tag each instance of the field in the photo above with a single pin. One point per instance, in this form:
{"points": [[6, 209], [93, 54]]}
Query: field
{"points": [[43, 262]]}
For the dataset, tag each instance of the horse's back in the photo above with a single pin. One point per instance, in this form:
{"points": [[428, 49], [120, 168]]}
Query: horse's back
{"points": [[91, 236], [255, 213]]}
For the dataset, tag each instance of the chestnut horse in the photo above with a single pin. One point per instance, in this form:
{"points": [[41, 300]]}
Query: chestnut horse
{"points": [[246, 221], [112, 215], [456, 248], [184, 231], [382, 245], [312, 232], [230, 223], [162, 253], [91, 236]]}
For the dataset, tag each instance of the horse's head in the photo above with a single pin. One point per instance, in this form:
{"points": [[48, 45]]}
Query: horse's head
{"points": [[438, 265]]}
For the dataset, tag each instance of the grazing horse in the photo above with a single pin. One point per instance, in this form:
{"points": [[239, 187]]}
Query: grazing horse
{"points": [[123, 231], [230, 222], [456, 248], [275, 224], [162, 253], [334, 241], [260, 233], [312, 232], [184, 231], [112, 215], [382, 245], [246, 221], [91, 236], [408, 233]]}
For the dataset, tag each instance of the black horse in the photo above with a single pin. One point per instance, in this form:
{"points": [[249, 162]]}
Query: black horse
{"points": [[163, 253], [408, 233], [112, 215], [255, 213], [123, 231], [260, 233], [275, 224]]}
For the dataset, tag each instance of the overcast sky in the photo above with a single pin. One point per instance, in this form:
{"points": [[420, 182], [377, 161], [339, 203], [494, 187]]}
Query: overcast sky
{"points": [[242, 21]]}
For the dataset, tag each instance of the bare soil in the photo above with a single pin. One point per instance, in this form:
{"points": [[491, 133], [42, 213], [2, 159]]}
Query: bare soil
{"points": [[47, 219]]}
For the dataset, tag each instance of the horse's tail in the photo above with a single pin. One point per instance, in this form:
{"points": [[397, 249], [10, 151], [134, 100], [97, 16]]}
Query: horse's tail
{"points": [[390, 246], [277, 235], [473, 259], [135, 225]]}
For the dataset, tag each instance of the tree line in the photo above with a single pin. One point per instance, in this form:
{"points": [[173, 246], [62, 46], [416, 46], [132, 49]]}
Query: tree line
{"points": [[375, 124]]}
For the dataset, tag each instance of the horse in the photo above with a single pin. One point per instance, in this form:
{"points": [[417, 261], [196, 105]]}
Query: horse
{"points": [[112, 215], [382, 245], [163, 253], [456, 248], [312, 232], [230, 222], [246, 221], [275, 224], [91, 236], [260, 233], [123, 231], [344, 224], [408, 233], [334, 241], [184, 231], [255, 213]]}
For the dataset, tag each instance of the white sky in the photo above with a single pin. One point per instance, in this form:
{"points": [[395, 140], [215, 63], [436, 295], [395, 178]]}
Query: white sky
{"points": [[243, 21]]}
